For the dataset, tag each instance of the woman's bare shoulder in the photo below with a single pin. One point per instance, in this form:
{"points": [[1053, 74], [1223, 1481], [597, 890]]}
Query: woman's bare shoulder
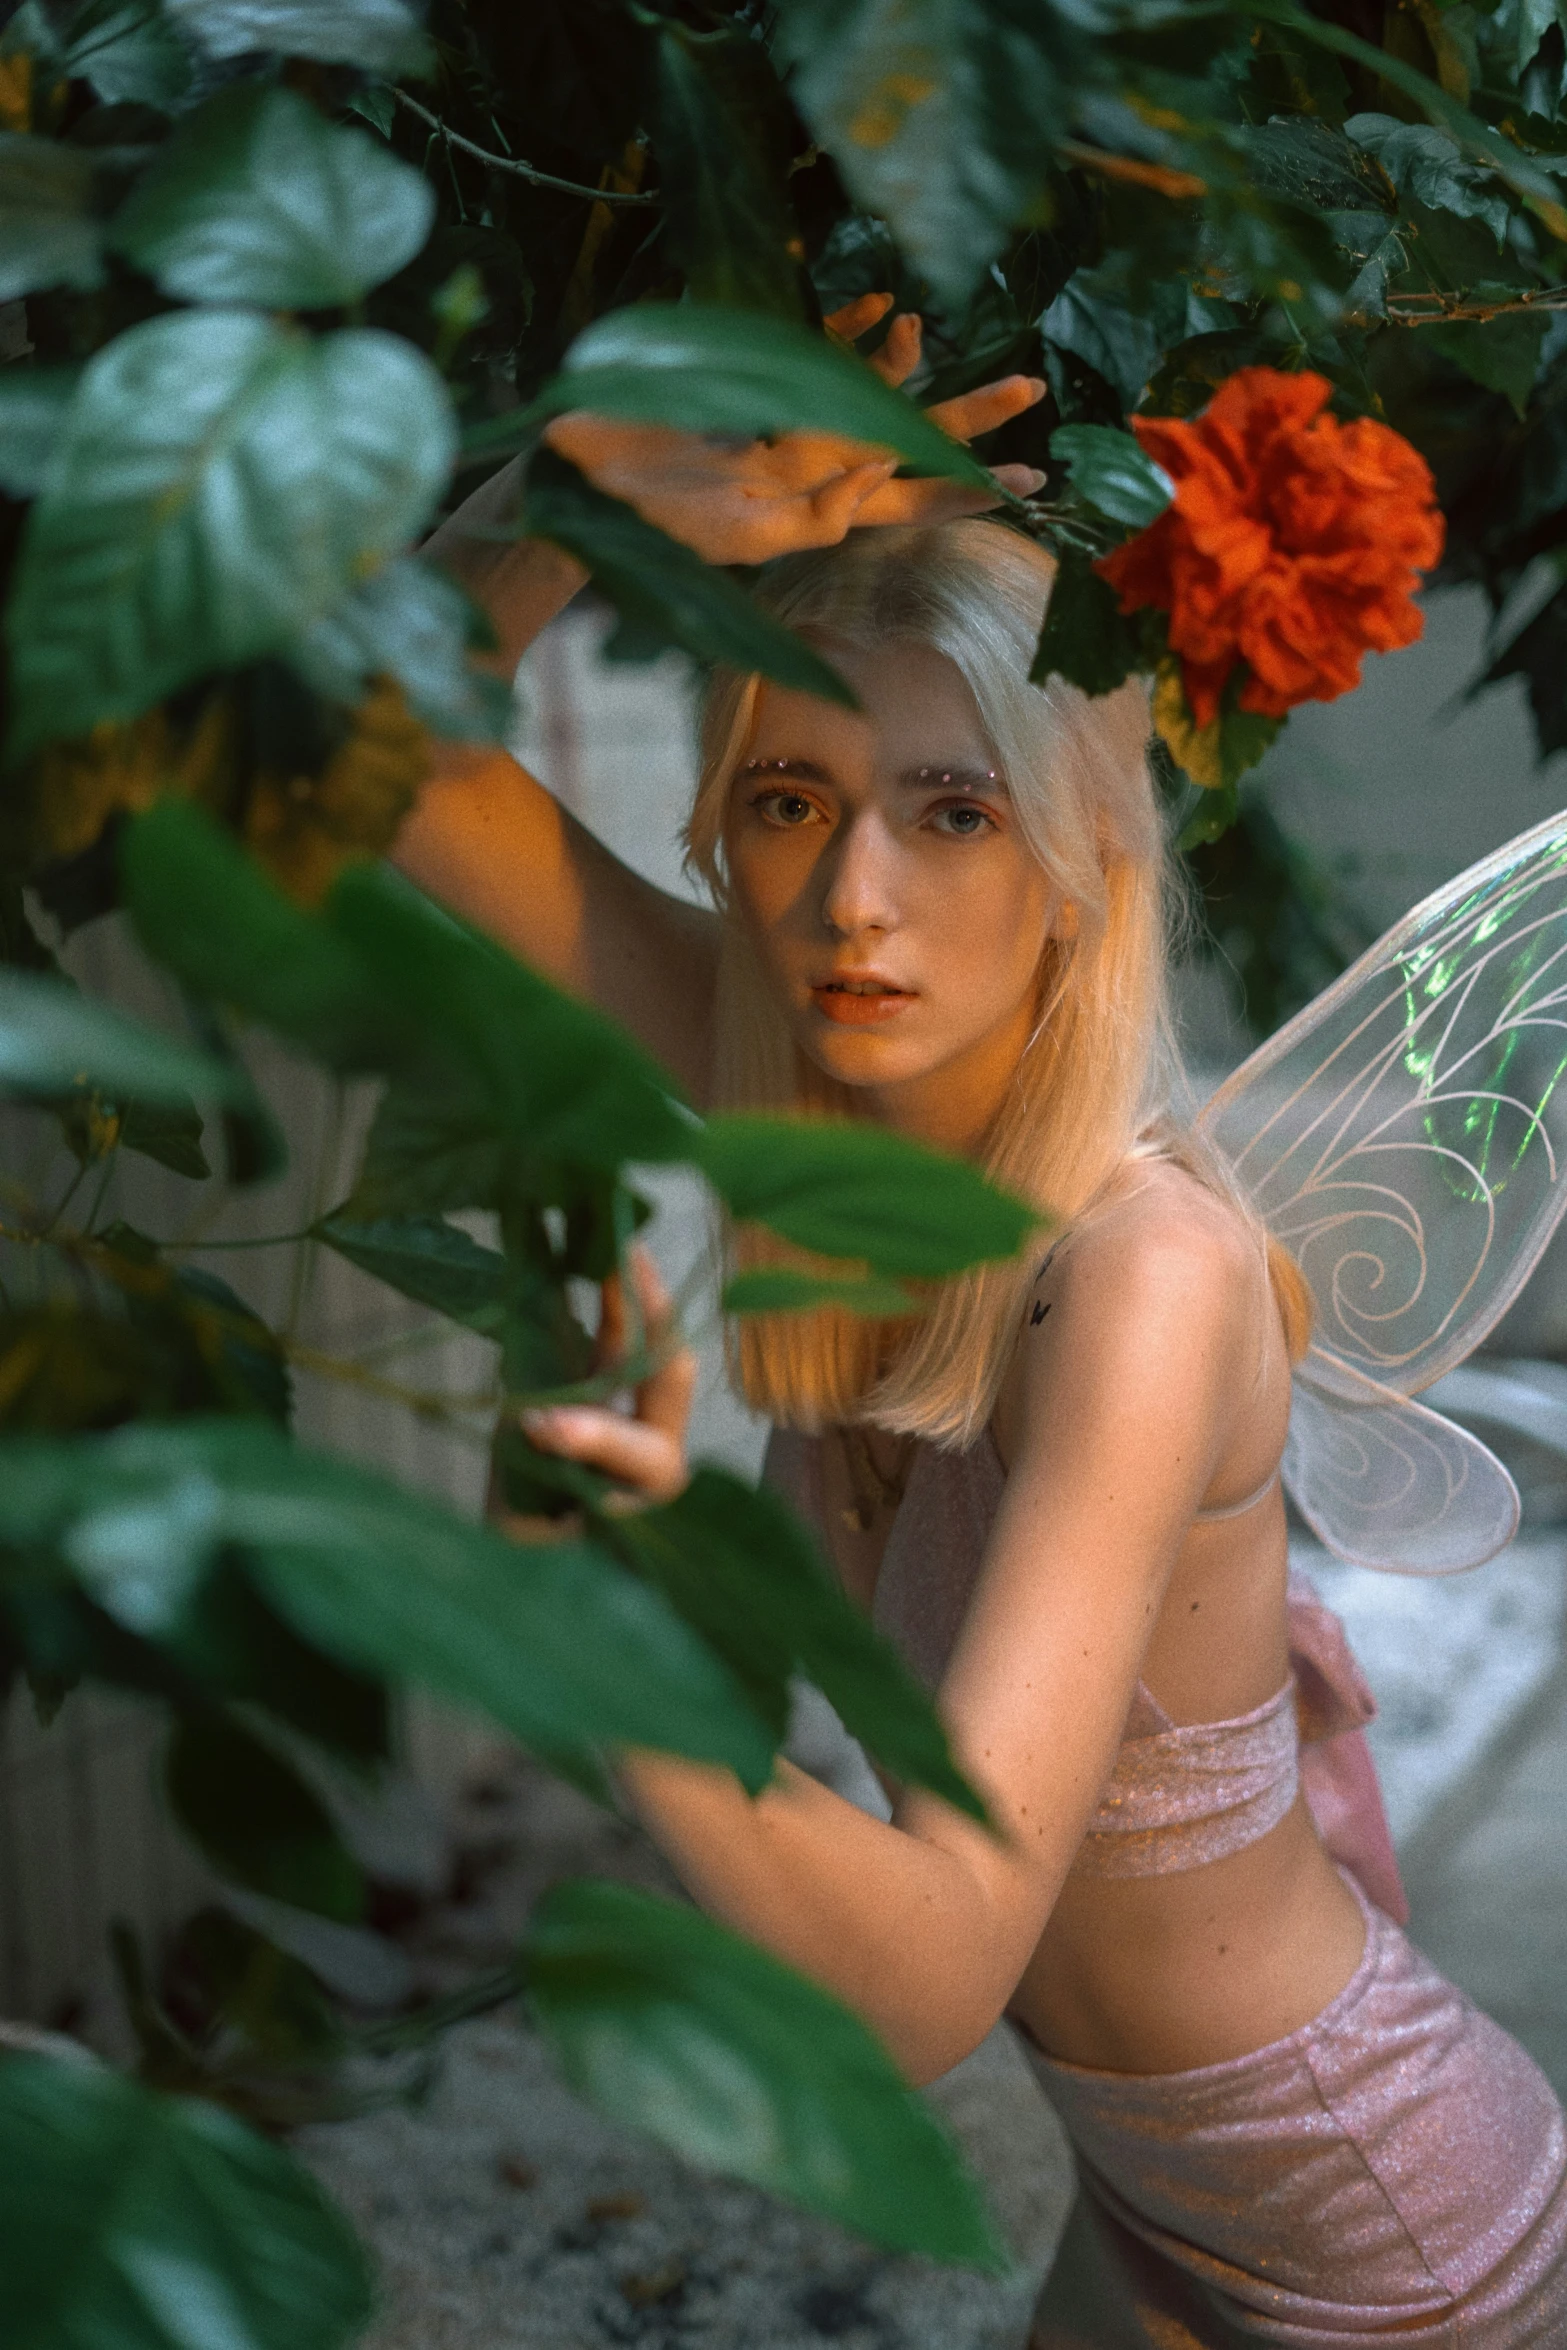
{"points": [[1158, 1228], [1154, 1294]]}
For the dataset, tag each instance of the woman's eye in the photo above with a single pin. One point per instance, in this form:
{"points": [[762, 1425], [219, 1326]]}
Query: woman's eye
{"points": [[963, 821], [790, 808]]}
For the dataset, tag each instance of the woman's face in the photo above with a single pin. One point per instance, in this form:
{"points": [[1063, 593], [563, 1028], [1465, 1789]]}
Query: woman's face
{"points": [[899, 912]]}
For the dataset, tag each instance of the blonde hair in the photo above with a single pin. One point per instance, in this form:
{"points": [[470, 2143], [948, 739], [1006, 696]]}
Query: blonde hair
{"points": [[1094, 1083]]}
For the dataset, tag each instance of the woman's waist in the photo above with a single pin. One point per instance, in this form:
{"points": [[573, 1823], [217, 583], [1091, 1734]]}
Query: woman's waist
{"points": [[1157, 1974]]}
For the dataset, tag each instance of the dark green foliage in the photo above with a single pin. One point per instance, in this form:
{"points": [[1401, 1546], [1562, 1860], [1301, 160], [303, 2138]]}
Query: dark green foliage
{"points": [[273, 275]]}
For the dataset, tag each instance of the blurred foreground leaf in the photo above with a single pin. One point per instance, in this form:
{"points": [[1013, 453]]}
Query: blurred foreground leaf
{"points": [[132, 2221], [670, 2023]]}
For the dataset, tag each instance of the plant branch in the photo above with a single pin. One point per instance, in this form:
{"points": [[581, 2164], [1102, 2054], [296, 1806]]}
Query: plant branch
{"points": [[1435, 308], [525, 171]]}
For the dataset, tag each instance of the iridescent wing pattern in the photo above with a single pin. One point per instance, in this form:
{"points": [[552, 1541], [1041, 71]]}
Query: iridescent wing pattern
{"points": [[1405, 1136]]}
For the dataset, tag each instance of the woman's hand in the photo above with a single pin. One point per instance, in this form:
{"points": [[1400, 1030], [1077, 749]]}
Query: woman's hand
{"points": [[749, 503], [644, 1451]]}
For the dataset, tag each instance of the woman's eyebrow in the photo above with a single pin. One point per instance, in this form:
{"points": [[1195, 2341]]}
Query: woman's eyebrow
{"points": [[953, 775], [807, 770]]}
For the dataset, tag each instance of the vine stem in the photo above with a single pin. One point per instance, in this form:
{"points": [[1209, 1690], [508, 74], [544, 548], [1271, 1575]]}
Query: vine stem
{"points": [[1437, 309], [526, 171]]}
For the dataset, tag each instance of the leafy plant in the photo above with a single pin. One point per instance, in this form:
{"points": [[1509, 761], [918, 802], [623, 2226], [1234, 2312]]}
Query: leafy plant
{"points": [[276, 278]]}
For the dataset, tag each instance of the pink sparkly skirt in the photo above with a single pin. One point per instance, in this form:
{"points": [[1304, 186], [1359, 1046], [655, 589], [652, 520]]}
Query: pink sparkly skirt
{"points": [[1395, 2171]]}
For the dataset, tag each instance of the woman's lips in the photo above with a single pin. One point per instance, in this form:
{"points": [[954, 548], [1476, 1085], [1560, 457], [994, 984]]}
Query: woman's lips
{"points": [[860, 1003]]}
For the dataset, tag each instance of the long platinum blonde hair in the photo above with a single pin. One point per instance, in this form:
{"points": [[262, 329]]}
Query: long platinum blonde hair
{"points": [[1101, 1070]]}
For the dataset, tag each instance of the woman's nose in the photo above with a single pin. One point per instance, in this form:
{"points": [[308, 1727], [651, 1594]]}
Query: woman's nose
{"points": [[860, 879]]}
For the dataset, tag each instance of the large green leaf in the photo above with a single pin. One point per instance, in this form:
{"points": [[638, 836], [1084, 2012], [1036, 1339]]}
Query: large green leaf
{"points": [[132, 2221], [49, 234], [861, 1191], [411, 622], [429, 1260], [206, 911], [665, 594], [128, 51], [554, 1076], [1113, 472], [53, 1038], [670, 2023], [940, 114], [33, 404], [258, 199], [732, 1559], [382, 36], [553, 1640], [706, 369], [721, 172], [256, 1821], [220, 480]]}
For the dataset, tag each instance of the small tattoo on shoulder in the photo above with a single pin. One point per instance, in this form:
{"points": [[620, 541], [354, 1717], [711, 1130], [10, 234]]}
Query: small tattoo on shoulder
{"points": [[1038, 1315]]}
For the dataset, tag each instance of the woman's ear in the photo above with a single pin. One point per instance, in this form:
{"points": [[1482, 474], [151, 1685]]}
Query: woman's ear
{"points": [[1064, 922]]}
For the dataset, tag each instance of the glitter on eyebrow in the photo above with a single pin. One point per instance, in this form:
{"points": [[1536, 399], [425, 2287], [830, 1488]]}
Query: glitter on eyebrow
{"points": [[951, 775]]}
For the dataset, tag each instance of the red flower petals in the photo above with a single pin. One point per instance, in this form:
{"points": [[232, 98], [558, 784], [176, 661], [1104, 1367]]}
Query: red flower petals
{"points": [[1294, 543]]}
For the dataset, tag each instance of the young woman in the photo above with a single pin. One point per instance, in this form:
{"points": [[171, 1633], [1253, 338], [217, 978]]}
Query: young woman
{"points": [[1059, 1490]]}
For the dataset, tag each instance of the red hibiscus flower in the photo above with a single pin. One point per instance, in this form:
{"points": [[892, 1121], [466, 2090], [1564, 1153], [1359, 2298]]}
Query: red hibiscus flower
{"points": [[1294, 543]]}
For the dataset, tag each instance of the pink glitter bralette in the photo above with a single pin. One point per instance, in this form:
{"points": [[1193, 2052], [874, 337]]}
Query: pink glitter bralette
{"points": [[1179, 1795]]}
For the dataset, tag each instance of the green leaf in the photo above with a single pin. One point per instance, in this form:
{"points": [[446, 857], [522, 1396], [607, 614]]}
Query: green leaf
{"points": [[1312, 163], [1091, 318], [1501, 353], [237, 1647], [1426, 166], [861, 1191], [553, 1640], [673, 2025], [52, 1037], [429, 1260], [170, 1134], [33, 404], [257, 199], [777, 1289], [553, 1075], [219, 482], [721, 170], [411, 622], [736, 1564], [940, 118], [1087, 639], [129, 52], [1113, 472], [206, 911], [132, 2221], [382, 36], [49, 234], [253, 1817], [664, 592], [705, 369]]}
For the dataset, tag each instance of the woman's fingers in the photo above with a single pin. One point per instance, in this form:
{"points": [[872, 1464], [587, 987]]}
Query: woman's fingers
{"points": [[649, 1460], [900, 354], [988, 405], [856, 318]]}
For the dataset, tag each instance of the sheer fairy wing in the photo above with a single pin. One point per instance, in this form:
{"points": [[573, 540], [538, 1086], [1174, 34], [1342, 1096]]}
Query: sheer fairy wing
{"points": [[1387, 1483], [1406, 1137]]}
